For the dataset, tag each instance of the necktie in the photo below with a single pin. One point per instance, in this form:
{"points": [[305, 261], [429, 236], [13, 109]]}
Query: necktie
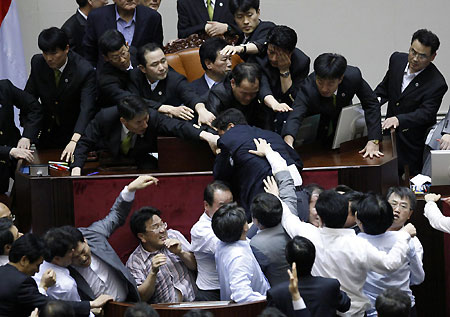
{"points": [[210, 9], [126, 143], [57, 76], [331, 125]]}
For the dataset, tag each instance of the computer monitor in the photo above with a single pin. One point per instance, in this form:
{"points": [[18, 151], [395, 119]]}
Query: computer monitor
{"points": [[351, 125], [440, 167]]}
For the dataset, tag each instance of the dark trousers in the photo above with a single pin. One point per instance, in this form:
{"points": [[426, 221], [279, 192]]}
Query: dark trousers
{"points": [[209, 295]]}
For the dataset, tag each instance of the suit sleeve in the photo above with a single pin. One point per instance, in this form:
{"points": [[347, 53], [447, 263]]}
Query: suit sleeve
{"points": [[223, 170], [295, 118], [187, 94], [87, 105], [110, 86], [90, 138], [213, 103], [184, 26], [175, 127], [343, 301], [382, 90]]}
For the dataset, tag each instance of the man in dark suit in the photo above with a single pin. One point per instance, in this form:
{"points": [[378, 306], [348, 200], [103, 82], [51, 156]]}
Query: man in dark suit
{"points": [[138, 24], [212, 17], [12, 146], [167, 91], [75, 25], [243, 170], [130, 130], [284, 66], [65, 84], [216, 66], [331, 87], [322, 296], [413, 88], [93, 256], [19, 294], [114, 78]]}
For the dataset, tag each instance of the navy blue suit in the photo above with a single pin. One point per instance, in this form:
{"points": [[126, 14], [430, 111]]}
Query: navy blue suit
{"points": [[245, 171]]}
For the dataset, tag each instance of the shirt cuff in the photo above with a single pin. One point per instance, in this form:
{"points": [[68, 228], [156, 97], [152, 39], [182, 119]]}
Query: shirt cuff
{"points": [[127, 195], [277, 163], [298, 304], [42, 291]]}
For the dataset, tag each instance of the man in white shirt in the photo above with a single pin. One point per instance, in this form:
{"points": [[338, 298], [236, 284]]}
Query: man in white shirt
{"points": [[8, 234], [203, 241], [437, 220]]}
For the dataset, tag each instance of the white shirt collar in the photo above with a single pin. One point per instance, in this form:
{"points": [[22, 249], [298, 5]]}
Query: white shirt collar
{"points": [[61, 69], [408, 73], [213, 2], [82, 14], [153, 86], [210, 81]]}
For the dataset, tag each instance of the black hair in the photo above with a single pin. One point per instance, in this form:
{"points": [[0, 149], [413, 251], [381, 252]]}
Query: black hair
{"points": [[271, 311], [354, 198], [132, 106], [51, 39], [303, 252], [310, 188], [210, 49], [28, 245], [375, 214], [283, 37], [6, 236], [57, 309], [243, 5], [267, 209], [332, 208], [211, 188], [228, 222], [75, 233], [140, 217], [427, 38], [58, 242], [343, 188], [149, 47], [393, 302], [403, 192], [141, 309], [82, 3], [111, 41], [330, 66], [231, 115], [198, 313], [249, 71]]}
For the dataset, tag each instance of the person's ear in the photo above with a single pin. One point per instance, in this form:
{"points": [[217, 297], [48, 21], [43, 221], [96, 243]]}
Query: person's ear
{"points": [[141, 237]]}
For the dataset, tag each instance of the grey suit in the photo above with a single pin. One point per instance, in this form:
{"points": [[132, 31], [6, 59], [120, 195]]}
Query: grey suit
{"points": [[97, 235]]}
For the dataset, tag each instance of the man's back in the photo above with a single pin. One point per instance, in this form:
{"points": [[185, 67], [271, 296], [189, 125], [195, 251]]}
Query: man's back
{"points": [[74, 29]]}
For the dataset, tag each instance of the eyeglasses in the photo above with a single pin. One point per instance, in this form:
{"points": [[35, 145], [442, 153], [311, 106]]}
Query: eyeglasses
{"points": [[116, 57], [419, 56], [157, 227]]}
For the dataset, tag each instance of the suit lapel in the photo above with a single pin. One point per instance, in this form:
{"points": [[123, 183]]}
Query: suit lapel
{"points": [[66, 76], [114, 140], [200, 4], [398, 73], [417, 82], [138, 26], [84, 290]]}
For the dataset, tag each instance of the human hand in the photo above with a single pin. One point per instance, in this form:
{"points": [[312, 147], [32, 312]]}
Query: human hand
{"points": [[24, 143], [270, 186], [370, 150], [35, 313], [182, 112], [96, 311], [67, 154], [141, 182], [281, 107], [173, 245], [283, 60], [445, 142], [289, 139], [48, 279], [76, 171], [211, 139], [432, 197], [157, 261], [214, 28], [231, 50], [205, 117], [293, 283], [262, 147], [22, 154], [391, 122], [101, 301], [410, 229]]}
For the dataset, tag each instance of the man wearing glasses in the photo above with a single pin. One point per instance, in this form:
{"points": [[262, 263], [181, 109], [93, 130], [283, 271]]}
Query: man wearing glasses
{"points": [[413, 88]]}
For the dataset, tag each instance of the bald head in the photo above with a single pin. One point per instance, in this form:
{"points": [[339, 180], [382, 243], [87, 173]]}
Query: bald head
{"points": [[4, 211]]}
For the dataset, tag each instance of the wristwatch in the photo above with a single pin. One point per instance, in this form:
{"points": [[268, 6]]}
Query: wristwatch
{"points": [[285, 75], [376, 142]]}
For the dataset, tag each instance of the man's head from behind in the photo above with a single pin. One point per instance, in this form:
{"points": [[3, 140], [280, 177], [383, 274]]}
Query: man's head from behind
{"points": [[152, 62], [60, 247], [5, 212], [81, 255], [57, 308], [215, 195], [92, 4], [301, 251], [245, 80], [148, 227], [27, 253], [422, 51], [54, 44], [313, 191], [133, 112], [403, 203], [281, 41], [216, 66], [332, 208], [114, 49], [374, 215], [228, 119], [266, 210], [246, 14], [393, 302], [8, 234], [229, 223], [329, 69], [354, 198], [141, 309]]}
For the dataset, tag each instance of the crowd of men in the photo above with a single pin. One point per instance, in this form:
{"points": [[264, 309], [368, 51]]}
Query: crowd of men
{"points": [[102, 82]]}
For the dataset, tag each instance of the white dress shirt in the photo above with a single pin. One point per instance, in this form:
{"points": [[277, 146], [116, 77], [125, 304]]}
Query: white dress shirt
{"points": [[410, 273], [240, 275], [408, 77], [209, 81], [203, 244], [4, 259], [437, 220]]}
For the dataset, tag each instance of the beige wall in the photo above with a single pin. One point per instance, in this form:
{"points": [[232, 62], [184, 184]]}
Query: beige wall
{"points": [[365, 32]]}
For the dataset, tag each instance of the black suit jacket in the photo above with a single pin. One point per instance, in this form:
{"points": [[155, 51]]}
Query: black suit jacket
{"points": [[19, 295], [174, 90], [148, 29], [104, 132], [68, 108], [258, 37], [322, 296], [246, 171], [415, 108], [200, 87], [74, 28], [193, 15], [309, 102]]}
